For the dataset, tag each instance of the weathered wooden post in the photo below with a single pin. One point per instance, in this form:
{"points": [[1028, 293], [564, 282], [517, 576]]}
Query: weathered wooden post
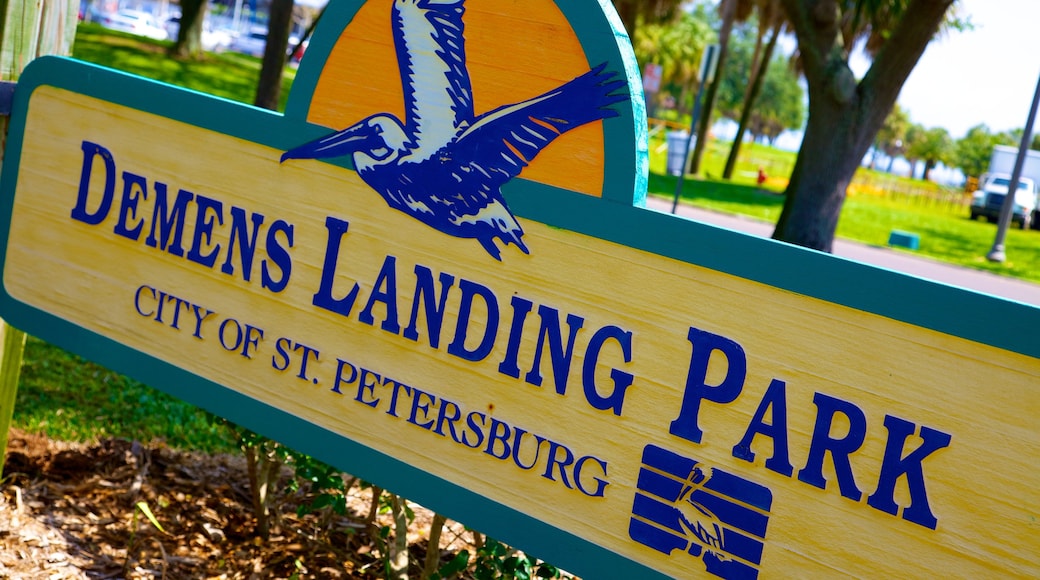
{"points": [[28, 29]]}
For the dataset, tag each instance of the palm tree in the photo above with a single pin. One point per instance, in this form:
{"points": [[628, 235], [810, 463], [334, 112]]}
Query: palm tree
{"points": [[934, 147], [891, 136], [189, 32], [269, 87], [779, 105], [769, 13], [770, 17], [911, 145], [677, 47], [730, 11], [845, 113], [649, 11]]}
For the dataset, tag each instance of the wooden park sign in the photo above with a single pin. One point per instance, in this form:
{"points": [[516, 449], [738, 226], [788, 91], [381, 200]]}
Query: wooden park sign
{"points": [[464, 301]]}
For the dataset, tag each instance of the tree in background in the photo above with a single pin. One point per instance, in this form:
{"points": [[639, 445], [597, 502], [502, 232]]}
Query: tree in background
{"points": [[730, 11], [781, 104], [972, 153], [935, 146], [771, 20], [891, 137], [915, 134], [189, 32], [677, 46], [845, 114], [733, 82], [767, 14], [634, 12], [269, 89]]}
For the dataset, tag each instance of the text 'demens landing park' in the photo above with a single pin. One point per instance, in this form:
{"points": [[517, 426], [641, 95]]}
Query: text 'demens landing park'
{"points": [[435, 271]]}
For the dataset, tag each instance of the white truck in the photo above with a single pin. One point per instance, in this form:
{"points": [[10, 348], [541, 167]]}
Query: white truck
{"points": [[993, 188]]}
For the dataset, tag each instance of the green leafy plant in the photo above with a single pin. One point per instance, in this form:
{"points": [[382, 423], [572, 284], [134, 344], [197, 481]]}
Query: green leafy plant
{"points": [[455, 566], [495, 560], [328, 484]]}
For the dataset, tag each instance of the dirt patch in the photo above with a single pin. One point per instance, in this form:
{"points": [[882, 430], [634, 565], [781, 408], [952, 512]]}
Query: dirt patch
{"points": [[74, 511]]}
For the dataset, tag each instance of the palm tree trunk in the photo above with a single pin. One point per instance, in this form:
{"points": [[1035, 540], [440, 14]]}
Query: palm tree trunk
{"points": [[749, 103], [189, 32], [628, 11], [929, 165], [728, 9], [763, 28], [269, 88]]}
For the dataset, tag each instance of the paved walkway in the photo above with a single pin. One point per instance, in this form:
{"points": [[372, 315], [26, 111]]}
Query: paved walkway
{"points": [[888, 258]]}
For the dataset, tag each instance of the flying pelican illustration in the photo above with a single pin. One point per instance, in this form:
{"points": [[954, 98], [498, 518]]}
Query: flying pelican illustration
{"points": [[705, 526], [445, 166]]}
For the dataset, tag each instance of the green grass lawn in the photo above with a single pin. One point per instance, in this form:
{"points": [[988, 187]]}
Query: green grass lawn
{"points": [[68, 398], [229, 75], [946, 232], [72, 399]]}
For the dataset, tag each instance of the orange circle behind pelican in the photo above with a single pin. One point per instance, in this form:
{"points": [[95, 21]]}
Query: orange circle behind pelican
{"points": [[515, 50]]}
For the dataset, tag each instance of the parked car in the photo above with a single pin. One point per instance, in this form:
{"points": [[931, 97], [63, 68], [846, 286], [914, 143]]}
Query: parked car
{"points": [[216, 39], [987, 201], [172, 24], [134, 22], [251, 43], [254, 42]]}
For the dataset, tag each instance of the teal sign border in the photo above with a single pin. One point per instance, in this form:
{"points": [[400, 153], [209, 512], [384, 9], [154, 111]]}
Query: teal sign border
{"points": [[602, 37], [617, 217]]}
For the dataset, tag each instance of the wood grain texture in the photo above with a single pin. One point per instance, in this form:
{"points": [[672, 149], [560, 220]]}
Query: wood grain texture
{"points": [[28, 29], [981, 487], [33, 28]]}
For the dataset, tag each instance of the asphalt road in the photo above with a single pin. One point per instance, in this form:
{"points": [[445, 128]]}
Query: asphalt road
{"points": [[884, 257]]}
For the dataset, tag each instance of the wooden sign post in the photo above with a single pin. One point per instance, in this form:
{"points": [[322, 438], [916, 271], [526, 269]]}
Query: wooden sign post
{"points": [[27, 30], [435, 272]]}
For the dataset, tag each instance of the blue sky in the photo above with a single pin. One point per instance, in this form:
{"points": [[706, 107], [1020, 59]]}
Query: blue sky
{"points": [[985, 75]]}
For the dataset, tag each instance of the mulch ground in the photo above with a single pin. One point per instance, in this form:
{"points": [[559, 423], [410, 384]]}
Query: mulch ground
{"points": [[72, 511]]}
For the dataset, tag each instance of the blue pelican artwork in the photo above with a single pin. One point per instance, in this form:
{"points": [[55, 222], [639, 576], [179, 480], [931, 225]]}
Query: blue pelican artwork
{"points": [[444, 165], [697, 519]]}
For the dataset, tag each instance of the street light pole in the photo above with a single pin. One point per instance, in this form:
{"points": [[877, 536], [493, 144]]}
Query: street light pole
{"points": [[996, 253]]}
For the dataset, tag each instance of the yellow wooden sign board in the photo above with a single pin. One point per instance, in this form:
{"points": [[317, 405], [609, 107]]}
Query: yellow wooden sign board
{"points": [[616, 390]]}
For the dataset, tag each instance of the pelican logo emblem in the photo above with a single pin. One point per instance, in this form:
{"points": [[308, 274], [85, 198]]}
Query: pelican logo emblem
{"points": [[707, 513], [445, 165], [701, 524]]}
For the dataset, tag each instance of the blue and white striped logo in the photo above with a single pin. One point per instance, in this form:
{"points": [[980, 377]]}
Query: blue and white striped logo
{"points": [[706, 513]]}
